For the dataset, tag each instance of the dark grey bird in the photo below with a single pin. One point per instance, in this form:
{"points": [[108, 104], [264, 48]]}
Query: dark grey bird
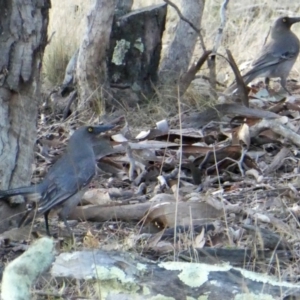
{"points": [[67, 180], [278, 56]]}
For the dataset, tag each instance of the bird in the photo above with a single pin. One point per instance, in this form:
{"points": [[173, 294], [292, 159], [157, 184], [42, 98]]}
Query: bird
{"points": [[278, 56], [66, 181]]}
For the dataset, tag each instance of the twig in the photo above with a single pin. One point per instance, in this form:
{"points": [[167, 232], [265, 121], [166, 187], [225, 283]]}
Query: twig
{"points": [[189, 22], [140, 177], [239, 79], [131, 162], [212, 60], [222, 26], [208, 79], [189, 76]]}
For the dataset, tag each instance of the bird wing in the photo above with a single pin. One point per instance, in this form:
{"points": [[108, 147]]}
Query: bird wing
{"points": [[63, 185], [270, 58]]}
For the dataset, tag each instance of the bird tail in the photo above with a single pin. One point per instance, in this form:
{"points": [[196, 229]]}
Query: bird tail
{"points": [[32, 191], [248, 77], [15, 192]]}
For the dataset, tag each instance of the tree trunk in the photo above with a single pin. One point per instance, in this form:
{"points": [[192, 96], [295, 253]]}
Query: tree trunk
{"points": [[180, 39], [23, 28], [91, 67], [134, 54]]}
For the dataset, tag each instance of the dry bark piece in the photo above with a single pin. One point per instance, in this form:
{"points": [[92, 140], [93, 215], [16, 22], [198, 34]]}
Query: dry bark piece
{"points": [[98, 213], [96, 197], [278, 160], [163, 214]]}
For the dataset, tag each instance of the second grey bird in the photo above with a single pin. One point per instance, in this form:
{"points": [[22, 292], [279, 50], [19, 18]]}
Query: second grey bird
{"points": [[64, 185], [278, 55]]}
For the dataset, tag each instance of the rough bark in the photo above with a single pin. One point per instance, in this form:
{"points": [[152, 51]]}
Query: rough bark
{"points": [[91, 67], [181, 40], [23, 37]]}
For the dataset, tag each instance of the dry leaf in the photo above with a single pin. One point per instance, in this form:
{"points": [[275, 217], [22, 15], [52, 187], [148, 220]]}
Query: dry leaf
{"points": [[200, 240], [90, 241], [243, 135]]}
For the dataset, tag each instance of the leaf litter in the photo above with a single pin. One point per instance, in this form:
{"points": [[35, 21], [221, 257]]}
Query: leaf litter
{"points": [[230, 182]]}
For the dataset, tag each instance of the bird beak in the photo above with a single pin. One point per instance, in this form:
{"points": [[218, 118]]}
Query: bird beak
{"points": [[294, 20], [102, 128]]}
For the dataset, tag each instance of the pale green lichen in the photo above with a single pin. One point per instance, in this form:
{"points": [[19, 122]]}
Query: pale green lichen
{"points": [[264, 278], [138, 44], [141, 267], [120, 51], [251, 296], [104, 273], [135, 87], [116, 76], [161, 297], [195, 275], [203, 297], [116, 281], [146, 291]]}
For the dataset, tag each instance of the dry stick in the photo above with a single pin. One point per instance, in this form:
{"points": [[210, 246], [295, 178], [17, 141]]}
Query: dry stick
{"points": [[212, 61], [276, 127], [131, 162], [208, 79], [277, 161], [179, 171], [221, 28], [190, 75], [239, 79], [189, 22], [237, 162], [222, 198]]}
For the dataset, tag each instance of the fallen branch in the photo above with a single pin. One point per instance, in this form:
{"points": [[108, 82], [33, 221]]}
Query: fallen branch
{"points": [[115, 271]]}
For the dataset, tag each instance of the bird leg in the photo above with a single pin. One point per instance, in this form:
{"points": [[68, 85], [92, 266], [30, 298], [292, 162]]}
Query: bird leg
{"points": [[67, 225], [267, 83], [46, 222], [283, 84]]}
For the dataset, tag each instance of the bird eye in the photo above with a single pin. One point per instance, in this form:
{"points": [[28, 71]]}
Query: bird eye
{"points": [[283, 20], [90, 129]]}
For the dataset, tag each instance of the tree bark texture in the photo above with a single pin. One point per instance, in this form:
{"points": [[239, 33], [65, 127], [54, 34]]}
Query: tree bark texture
{"points": [[180, 40], [23, 37], [91, 67]]}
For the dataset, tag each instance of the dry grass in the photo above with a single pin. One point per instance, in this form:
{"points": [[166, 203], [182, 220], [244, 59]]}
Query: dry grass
{"points": [[66, 25]]}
